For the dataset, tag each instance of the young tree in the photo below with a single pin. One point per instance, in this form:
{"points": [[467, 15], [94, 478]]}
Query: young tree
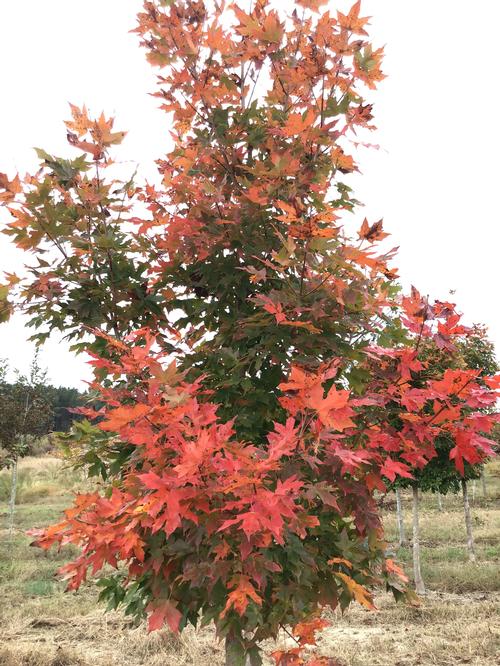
{"points": [[240, 480], [439, 476], [24, 411], [478, 352], [472, 351], [4, 453]]}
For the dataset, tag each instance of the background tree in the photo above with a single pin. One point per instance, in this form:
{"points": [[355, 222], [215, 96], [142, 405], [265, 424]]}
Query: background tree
{"points": [[24, 411], [64, 400], [472, 351], [479, 353], [4, 368]]}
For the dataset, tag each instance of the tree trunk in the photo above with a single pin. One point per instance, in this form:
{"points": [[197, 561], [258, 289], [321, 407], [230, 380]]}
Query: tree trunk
{"points": [[12, 501], [236, 655], [474, 491], [419, 581], [440, 501], [401, 523], [468, 523], [483, 482]]}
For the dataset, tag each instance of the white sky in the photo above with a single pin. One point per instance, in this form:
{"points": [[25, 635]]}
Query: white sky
{"points": [[435, 181]]}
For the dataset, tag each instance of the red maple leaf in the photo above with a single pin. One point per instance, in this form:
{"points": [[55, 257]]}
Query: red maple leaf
{"points": [[163, 611]]}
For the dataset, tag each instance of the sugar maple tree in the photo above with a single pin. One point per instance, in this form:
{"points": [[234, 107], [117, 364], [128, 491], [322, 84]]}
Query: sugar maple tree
{"points": [[444, 473], [252, 390], [472, 352]]}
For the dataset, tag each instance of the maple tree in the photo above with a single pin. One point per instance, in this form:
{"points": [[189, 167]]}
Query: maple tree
{"points": [[24, 412], [252, 390], [472, 351]]}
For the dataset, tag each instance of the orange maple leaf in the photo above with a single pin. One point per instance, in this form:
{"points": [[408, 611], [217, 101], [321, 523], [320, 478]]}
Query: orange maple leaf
{"points": [[296, 123], [393, 568], [352, 21], [333, 410], [340, 560], [305, 630], [266, 29], [122, 416], [10, 187], [360, 593], [313, 5], [372, 232], [81, 122], [344, 163], [240, 597]]}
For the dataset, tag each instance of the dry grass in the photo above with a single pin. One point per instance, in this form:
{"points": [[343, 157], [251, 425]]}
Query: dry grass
{"points": [[39, 478], [458, 622], [447, 629]]}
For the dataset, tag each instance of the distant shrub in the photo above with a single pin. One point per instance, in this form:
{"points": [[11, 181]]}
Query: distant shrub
{"points": [[41, 446]]}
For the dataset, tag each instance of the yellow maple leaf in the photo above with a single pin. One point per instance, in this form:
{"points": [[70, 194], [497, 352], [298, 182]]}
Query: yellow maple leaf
{"points": [[360, 593]]}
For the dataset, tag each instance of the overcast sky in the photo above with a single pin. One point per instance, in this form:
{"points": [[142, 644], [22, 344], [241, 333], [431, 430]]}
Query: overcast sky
{"points": [[435, 180]]}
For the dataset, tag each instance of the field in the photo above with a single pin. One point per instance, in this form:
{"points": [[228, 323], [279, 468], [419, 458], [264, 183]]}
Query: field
{"points": [[457, 623]]}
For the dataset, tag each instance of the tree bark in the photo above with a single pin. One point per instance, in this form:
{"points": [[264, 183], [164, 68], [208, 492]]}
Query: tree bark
{"points": [[483, 482], [12, 501], [474, 491], [468, 523], [440, 501], [417, 573], [401, 523], [235, 652]]}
